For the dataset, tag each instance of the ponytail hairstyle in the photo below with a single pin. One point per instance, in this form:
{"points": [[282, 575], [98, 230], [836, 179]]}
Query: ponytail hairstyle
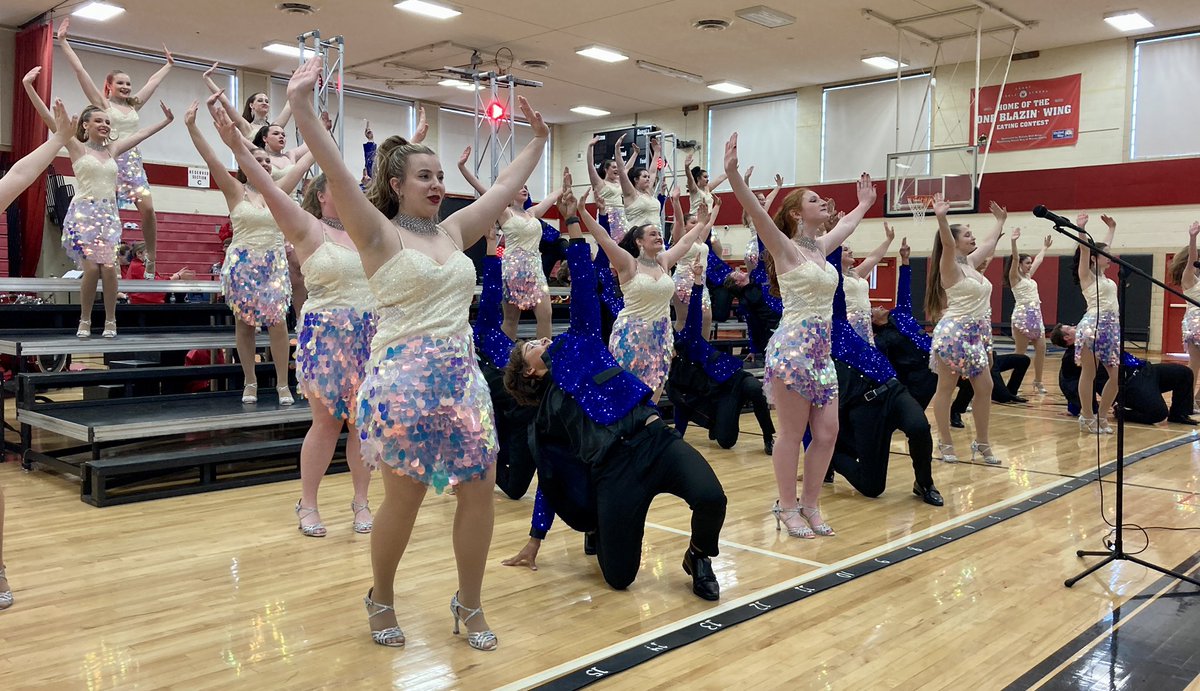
{"points": [[604, 166], [1008, 261], [247, 112], [1092, 262], [935, 294], [241, 177], [697, 171], [260, 135], [636, 173], [1178, 266], [391, 161], [310, 202], [108, 88], [784, 221], [629, 242], [84, 118]]}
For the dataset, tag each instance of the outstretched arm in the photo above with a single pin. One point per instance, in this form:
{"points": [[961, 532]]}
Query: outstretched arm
{"points": [[1085, 252], [628, 193], [987, 248], [473, 181], [864, 269], [687, 170], [291, 179], [234, 115], [147, 91], [622, 261], [1112, 228], [24, 172], [126, 143], [1014, 267], [86, 83], [1037, 261], [652, 164], [904, 284], [472, 222], [593, 174], [698, 233], [773, 193], [1189, 271], [846, 225], [949, 270], [422, 129], [778, 244], [42, 111], [230, 187], [543, 207]]}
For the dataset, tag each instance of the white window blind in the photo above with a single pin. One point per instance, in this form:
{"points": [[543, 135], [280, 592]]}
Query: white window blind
{"points": [[456, 131], [766, 137], [182, 86], [858, 127], [1165, 97], [387, 115]]}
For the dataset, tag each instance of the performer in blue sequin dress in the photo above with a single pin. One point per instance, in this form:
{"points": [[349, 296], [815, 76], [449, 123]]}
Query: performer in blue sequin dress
{"points": [[425, 414], [800, 377], [1098, 334], [959, 298]]}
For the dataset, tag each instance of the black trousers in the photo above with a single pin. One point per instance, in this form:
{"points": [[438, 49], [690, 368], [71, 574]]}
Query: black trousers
{"points": [[722, 416], [1144, 391], [1001, 392], [652, 462], [864, 439]]}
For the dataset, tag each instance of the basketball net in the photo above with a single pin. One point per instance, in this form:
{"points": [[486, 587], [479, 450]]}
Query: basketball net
{"points": [[919, 205]]}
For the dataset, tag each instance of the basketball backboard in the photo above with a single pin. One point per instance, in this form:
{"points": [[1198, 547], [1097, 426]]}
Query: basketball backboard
{"points": [[913, 177]]}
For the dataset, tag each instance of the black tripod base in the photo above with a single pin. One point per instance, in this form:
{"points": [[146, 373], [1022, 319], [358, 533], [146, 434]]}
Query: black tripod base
{"points": [[1112, 556]]}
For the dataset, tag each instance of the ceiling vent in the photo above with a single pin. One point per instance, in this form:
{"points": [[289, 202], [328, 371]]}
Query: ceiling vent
{"points": [[711, 25], [295, 8], [765, 16], [541, 65]]}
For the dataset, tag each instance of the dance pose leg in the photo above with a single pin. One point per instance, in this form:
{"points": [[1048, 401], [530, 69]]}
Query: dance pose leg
{"points": [[402, 497], [473, 522]]}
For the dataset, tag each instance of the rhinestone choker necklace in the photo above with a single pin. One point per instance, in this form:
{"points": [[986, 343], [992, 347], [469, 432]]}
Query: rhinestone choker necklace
{"points": [[644, 261], [96, 147], [333, 223], [959, 259], [807, 242], [416, 225]]}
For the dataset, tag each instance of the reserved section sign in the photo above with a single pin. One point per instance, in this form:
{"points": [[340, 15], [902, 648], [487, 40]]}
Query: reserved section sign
{"points": [[1033, 114]]}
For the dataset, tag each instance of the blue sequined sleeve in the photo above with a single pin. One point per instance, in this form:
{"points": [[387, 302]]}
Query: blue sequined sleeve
{"points": [[608, 284], [489, 339], [698, 349], [904, 290], [585, 302], [848, 347], [718, 270], [1131, 363], [543, 517], [902, 315], [369, 157]]}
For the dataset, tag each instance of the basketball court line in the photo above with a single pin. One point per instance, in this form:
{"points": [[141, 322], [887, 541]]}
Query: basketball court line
{"points": [[694, 627], [747, 548]]}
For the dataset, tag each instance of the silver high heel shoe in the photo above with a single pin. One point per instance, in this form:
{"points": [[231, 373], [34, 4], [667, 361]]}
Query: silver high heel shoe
{"points": [[315, 530], [947, 451], [6, 596], [1037, 386], [1088, 424], [392, 636], [801, 531], [479, 640], [984, 450], [250, 393], [110, 329], [1103, 427], [821, 528], [361, 526], [285, 395], [85, 329]]}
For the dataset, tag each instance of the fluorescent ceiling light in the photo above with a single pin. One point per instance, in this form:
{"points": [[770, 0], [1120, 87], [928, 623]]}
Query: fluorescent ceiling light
{"points": [[428, 9], [467, 86], [1127, 20], [601, 53], [588, 110], [99, 11], [282, 49], [765, 16], [883, 62], [670, 71], [451, 82], [729, 87]]}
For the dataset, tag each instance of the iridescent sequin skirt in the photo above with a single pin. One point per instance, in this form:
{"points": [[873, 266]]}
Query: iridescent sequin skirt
{"points": [[132, 185], [861, 323], [683, 287], [256, 284], [798, 358], [524, 281], [1191, 327], [424, 410], [616, 224], [963, 345], [1101, 335], [91, 231], [1027, 321], [331, 358], [643, 348]]}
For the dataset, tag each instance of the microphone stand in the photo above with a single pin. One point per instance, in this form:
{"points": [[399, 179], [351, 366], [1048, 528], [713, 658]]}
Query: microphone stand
{"points": [[1118, 553]]}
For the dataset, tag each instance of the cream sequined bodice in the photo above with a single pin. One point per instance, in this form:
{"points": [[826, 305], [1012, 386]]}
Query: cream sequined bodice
{"points": [[858, 293], [699, 249], [522, 231], [969, 299], [278, 173], [123, 123], [1025, 292], [95, 179], [807, 292], [647, 297], [1193, 293], [419, 297], [334, 277], [610, 192], [643, 211], [1108, 296], [694, 199], [254, 227]]}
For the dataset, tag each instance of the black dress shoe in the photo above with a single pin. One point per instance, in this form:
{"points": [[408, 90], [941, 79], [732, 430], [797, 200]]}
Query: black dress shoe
{"points": [[1182, 420], [704, 581], [829, 475], [956, 421], [768, 444], [1019, 399], [929, 494], [589, 543]]}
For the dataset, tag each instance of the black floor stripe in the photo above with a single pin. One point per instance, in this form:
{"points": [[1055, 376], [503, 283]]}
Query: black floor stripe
{"points": [[1159, 651], [635, 655]]}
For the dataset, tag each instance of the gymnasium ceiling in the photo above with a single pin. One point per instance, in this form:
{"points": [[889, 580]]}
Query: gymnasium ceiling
{"points": [[824, 45]]}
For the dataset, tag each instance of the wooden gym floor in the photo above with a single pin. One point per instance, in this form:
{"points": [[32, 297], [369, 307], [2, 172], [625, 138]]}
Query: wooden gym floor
{"points": [[220, 590]]}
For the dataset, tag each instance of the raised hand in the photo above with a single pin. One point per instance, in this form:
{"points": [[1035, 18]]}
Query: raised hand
{"points": [[731, 155], [189, 116], [1109, 221], [209, 71], [1081, 220], [230, 134], [167, 53], [534, 118], [905, 250], [778, 180], [674, 194], [568, 181], [698, 270], [31, 75], [304, 80], [166, 112], [595, 141], [940, 206], [1193, 230], [367, 133], [1016, 234], [64, 124], [889, 231], [617, 146], [866, 190], [687, 161], [326, 121], [998, 211], [1047, 242], [422, 126], [62, 29], [466, 156]]}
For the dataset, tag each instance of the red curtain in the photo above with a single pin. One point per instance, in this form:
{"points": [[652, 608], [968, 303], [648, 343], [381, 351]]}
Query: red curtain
{"points": [[34, 46]]}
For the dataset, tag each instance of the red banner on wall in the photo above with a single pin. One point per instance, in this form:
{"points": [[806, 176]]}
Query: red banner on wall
{"points": [[1035, 114]]}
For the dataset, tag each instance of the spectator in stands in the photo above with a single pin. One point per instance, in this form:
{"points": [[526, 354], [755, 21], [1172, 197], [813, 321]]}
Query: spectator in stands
{"points": [[424, 408], [136, 269], [21, 175], [254, 276]]}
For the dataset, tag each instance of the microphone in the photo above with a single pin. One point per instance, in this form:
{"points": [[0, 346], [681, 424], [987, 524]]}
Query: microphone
{"points": [[1042, 212]]}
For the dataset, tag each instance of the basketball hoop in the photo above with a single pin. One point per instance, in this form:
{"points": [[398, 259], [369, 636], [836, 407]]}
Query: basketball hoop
{"points": [[919, 205]]}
